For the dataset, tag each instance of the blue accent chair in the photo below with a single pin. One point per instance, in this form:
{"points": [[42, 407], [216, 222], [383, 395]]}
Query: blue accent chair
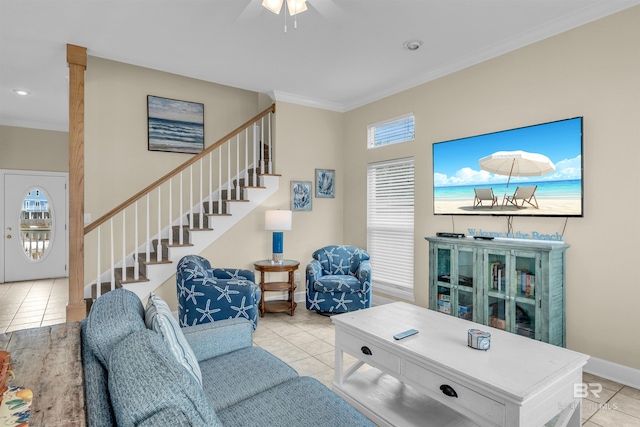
{"points": [[339, 280], [208, 294]]}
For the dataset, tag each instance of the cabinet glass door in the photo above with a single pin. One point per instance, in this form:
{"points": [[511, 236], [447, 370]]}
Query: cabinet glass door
{"points": [[497, 308], [525, 294], [443, 277], [464, 289]]}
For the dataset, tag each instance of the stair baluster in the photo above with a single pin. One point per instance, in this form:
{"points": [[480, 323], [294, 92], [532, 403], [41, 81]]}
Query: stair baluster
{"points": [[132, 266]]}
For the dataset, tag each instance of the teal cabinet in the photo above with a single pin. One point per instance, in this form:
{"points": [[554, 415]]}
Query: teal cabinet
{"points": [[514, 285]]}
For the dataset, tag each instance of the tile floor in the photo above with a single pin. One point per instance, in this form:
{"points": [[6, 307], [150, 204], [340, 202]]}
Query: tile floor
{"points": [[305, 341]]}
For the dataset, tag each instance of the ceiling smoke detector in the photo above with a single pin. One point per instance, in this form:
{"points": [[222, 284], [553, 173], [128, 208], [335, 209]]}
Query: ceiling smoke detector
{"points": [[412, 44]]}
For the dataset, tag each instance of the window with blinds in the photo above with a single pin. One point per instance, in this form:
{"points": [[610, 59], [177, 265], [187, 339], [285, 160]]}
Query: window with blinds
{"points": [[392, 131], [390, 222]]}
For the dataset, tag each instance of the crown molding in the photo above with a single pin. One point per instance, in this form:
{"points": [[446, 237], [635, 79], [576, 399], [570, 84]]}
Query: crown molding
{"points": [[308, 102]]}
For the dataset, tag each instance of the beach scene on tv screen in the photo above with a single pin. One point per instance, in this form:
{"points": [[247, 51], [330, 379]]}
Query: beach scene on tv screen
{"points": [[534, 170]]}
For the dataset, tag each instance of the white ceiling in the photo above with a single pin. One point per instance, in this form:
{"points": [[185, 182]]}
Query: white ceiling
{"points": [[344, 53]]}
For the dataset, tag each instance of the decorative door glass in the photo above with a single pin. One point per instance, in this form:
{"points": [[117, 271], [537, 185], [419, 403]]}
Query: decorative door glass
{"points": [[497, 308], [35, 224], [525, 280], [465, 284], [444, 296]]}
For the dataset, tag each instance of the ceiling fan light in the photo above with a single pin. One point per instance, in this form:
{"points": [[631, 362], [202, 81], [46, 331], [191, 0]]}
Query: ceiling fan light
{"points": [[273, 5], [296, 6]]}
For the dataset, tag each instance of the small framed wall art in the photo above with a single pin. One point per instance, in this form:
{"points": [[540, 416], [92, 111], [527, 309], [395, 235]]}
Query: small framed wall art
{"points": [[325, 183], [175, 126], [301, 195]]}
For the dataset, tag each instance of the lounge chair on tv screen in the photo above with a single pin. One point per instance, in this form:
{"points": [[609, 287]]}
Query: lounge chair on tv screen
{"points": [[484, 195], [524, 194]]}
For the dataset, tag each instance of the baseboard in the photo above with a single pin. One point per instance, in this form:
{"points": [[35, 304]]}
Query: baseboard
{"points": [[614, 372]]}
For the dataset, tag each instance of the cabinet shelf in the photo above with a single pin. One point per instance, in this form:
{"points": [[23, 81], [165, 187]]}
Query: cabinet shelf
{"points": [[514, 285]]}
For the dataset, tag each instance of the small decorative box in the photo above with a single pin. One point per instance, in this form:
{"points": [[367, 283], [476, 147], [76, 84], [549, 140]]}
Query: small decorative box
{"points": [[478, 339]]}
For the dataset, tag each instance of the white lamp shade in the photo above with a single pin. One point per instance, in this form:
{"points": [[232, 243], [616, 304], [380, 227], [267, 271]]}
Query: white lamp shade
{"points": [[278, 220], [273, 5], [296, 6]]}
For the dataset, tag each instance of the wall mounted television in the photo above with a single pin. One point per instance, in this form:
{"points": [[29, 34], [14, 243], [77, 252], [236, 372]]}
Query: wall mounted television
{"points": [[530, 171]]}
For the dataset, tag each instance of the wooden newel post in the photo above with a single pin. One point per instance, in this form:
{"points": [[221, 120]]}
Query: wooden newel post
{"points": [[77, 61]]}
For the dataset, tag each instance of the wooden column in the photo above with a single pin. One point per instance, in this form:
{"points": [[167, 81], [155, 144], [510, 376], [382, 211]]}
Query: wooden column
{"points": [[77, 60]]}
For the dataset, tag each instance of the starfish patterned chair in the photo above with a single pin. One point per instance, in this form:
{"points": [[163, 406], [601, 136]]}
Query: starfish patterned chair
{"points": [[338, 280], [208, 294]]}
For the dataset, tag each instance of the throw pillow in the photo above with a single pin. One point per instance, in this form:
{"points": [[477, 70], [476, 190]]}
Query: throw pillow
{"points": [[158, 317]]}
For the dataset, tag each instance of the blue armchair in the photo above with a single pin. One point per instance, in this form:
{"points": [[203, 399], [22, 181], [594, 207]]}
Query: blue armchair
{"points": [[339, 280], [208, 294]]}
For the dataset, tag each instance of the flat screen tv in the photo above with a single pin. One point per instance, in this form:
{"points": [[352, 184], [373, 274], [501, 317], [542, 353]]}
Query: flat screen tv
{"points": [[532, 171]]}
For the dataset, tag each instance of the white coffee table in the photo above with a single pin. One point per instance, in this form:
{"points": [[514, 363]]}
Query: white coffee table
{"points": [[517, 382]]}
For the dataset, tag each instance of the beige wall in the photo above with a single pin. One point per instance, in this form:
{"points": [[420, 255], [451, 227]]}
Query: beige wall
{"points": [[116, 157], [34, 149], [592, 71]]}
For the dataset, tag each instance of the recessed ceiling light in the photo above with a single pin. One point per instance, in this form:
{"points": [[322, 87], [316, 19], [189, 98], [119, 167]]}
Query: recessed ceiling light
{"points": [[412, 44], [22, 92]]}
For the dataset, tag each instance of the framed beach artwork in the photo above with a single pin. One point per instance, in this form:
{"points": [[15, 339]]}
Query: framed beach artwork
{"points": [[325, 183], [301, 195], [175, 126]]}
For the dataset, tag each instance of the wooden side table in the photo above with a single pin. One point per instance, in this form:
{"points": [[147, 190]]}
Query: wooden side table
{"points": [[277, 306]]}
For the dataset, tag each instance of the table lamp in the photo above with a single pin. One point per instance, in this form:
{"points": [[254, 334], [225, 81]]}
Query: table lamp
{"points": [[278, 221]]}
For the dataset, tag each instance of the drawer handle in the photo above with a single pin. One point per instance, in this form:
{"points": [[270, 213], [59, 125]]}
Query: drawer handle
{"points": [[366, 350], [448, 390]]}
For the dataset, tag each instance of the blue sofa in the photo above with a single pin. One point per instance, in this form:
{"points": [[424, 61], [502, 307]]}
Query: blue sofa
{"points": [[133, 379], [338, 279]]}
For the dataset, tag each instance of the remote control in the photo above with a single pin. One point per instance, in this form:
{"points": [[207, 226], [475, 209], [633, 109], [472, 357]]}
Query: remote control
{"points": [[405, 334]]}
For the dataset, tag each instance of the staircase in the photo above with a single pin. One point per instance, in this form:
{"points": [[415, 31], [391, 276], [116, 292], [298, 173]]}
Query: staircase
{"points": [[184, 211]]}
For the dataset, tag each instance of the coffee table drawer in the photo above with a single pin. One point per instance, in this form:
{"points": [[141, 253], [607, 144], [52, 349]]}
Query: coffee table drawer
{"points": [[369, 353], [468, 402]]}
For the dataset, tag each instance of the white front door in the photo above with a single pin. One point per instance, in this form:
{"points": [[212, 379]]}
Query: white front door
{"points": [[35, 217]]}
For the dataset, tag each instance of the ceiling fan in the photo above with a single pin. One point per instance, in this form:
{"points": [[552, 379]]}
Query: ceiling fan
{"points": [[326, 8]]}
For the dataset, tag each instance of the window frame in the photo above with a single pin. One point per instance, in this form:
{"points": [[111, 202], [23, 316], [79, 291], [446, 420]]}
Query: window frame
{"points": [[372, 142]]}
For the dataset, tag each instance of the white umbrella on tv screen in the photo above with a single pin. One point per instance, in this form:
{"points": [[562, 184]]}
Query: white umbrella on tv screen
{"points": [[517, 163]]}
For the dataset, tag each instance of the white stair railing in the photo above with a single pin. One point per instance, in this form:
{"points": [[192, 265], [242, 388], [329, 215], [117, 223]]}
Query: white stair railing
{"points": [[161, 204]]}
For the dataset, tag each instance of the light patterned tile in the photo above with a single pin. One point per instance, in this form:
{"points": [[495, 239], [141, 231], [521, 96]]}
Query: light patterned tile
{"points": [[290, 354], [20, 327], [286, 329], [274, 344], [608, 384], [632, 392], [326, 333], [25, 320], [57, 321], [614, 418], [318, 347], [325, 377], [300, 338], [589, 407], [626, 404], [603, 396], [51, 316], [308, 366]]}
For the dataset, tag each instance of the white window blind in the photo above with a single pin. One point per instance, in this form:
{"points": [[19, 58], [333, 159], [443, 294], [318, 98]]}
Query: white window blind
{"points": [[392, 131], [390, 222]]}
